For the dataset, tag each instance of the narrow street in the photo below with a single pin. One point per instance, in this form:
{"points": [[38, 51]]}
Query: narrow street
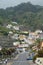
{"points": [[22, 60]]}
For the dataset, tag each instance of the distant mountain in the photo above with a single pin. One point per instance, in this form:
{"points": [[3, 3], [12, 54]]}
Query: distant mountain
{"points": [[25, 14]]}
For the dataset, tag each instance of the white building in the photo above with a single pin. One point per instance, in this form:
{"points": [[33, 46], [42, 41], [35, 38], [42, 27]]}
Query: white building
{"points": [[10, 32], [32, 35], [23, 46], [16, 27], [41, 35], [39, 61], [14, 22], [15, 36], [38, 31], [21, 50], [29, 41], [22, 37], [16, 43], [9, 26]]}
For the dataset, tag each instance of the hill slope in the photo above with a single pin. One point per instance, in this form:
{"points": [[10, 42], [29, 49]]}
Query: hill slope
{"points": [[25, 13]]}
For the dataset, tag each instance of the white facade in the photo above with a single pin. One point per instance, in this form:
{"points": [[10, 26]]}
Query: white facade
{"points": [[9, 26], [16, 43], [15, 36], [10, 32], [39, 61], [32, 36], [16, 27], [38, 31], [41, 35], [29, 41], [14, 22], [23, 45], [21, 49]]}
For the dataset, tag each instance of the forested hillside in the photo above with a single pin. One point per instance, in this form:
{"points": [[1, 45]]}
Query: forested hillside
{"points": [[26, 13]]}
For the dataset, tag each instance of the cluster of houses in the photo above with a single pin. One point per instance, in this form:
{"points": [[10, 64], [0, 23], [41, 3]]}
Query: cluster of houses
{"points": [[22, 40], [10, 26], [25, 38]]}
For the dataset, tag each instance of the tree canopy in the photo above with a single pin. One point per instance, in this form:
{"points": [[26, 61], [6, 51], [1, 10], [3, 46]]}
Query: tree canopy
{"points": [[26, 13]]}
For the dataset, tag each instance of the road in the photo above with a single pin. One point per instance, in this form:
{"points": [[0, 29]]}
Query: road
{"points": [[21, 60]]}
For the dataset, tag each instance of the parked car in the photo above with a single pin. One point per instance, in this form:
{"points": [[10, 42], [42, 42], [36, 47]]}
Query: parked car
{"points": [[30, 58]]}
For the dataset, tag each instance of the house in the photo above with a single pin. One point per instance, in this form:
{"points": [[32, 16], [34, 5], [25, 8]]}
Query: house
{"points": [[23, 46], [16, 43], [15, 36], [10, 32], [25, 32], [33, 35], [39, 61], [21, 37], [29, 41], [9, 26], [23, 42], [14, 22], [38, 31], [16, 27], [41, 35], [21, 50]]}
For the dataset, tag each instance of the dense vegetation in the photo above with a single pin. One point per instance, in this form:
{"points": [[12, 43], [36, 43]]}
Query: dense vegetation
{"points": [[25, 13], [6, 53], [40, 54]]}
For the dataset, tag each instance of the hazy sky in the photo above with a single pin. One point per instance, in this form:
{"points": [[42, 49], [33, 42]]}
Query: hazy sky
{"points": [[8, 3]]}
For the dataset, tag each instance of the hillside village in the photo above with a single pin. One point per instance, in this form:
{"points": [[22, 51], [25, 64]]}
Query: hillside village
{"points": [[21, 40], [21, 34]]}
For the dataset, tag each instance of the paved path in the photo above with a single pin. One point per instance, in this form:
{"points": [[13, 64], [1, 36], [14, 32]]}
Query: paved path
{"points": [[22, 60]]}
